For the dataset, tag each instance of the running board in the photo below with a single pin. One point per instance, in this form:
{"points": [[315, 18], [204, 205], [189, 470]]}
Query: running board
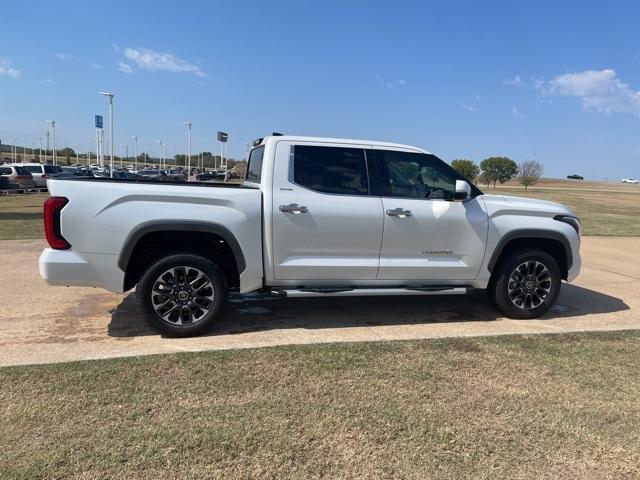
{"points": [[366, 292]]}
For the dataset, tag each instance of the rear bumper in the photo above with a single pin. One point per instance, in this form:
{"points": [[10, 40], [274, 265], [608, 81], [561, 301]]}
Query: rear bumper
{"points": [[71, 268]]}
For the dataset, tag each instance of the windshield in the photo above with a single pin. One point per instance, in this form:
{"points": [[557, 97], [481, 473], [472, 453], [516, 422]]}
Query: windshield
{"points": [[33, 168]]}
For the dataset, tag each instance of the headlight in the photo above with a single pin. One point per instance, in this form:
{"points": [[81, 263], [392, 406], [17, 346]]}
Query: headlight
{"points": [[571, 220]]}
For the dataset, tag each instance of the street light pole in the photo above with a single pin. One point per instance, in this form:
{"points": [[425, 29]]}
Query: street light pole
{"points": [[135, 152], [13, 148], [188, 124], [53, 131], [46, 152], [110, 95]]}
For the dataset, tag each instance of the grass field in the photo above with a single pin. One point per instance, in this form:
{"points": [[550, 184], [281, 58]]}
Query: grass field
{"points": [[21, 216], [605, 208], [556, 406]]}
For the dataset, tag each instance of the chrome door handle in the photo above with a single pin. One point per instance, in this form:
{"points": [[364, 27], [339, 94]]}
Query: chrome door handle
{"points": [[399, 212], [293, 208]]}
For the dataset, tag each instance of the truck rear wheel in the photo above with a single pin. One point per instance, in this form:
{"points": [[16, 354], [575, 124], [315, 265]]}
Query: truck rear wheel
{"points": [[182, 294], [526, 284]]}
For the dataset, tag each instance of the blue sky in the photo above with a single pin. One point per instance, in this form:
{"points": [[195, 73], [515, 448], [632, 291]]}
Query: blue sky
{"points": [[463, 79]]}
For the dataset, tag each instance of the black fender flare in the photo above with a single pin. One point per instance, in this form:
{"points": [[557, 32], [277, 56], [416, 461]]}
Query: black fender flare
{"points": [[533, 234], [181, 226]]}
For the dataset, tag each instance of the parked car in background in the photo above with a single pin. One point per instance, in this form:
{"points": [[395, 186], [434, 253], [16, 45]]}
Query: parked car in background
{"points": [[315, 217], [40, 172], [575, 177], [210, 175], [71, 172], [5, 184], [19, 177], [126, 174], [630, 180]]}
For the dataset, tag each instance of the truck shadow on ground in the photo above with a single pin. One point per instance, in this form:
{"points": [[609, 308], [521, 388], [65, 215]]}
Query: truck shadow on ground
{"points": [[250, 313]]}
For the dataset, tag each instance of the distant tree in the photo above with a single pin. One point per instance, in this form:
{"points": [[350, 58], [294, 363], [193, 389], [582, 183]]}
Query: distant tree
{"points": [[498, 169], [483, 180], [466, 168], [529, 173], [66, 152]]}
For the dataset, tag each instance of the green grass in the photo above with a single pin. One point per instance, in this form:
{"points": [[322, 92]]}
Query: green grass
{"points": [[603, 212], [505, 407], [21, 216]]}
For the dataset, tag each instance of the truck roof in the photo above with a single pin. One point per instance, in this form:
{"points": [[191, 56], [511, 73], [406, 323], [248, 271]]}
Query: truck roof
{"points": [[374, 143]]}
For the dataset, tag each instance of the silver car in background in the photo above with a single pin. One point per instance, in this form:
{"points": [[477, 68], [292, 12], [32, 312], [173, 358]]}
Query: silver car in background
{"points": [[19, 177], [39, 172]]}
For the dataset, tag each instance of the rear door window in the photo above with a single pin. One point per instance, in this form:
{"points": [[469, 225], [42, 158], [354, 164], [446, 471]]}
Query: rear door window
{"points": [[335, 170]]}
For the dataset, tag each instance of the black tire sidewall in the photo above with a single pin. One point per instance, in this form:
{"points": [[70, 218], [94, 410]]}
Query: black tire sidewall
{"points": [[500, 294], [145, 286]]}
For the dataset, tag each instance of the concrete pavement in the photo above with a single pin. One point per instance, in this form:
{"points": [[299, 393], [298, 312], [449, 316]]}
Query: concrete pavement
{"points": [[41, 324]]}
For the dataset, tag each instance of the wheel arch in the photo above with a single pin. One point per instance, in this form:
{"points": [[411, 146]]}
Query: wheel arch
{"points": [[554, 243], [179, 228]]}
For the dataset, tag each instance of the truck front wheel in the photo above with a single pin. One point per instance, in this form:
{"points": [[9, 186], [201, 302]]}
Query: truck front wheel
{"points": [[526, 284], [182, 294]]}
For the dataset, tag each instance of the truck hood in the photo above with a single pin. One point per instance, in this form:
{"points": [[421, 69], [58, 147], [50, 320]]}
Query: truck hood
{"points": [[496, 203]]}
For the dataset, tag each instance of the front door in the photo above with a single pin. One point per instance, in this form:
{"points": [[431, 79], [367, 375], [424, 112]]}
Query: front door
{"points": [[326, 226], [428, 237]]}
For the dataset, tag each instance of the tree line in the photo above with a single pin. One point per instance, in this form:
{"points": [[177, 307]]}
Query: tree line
{"points": [[494, 170]]}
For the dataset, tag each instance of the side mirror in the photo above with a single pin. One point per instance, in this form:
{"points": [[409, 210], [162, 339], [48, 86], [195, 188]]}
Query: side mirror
{"points": [[463, 190]]}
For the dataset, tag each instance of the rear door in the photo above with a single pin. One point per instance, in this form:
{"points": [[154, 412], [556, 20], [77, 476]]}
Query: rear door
{"points": [[428, 237], [326, 226]]}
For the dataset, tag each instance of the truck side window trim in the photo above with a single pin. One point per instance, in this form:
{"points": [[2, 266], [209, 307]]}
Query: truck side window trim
{"points": [[291, 174]]}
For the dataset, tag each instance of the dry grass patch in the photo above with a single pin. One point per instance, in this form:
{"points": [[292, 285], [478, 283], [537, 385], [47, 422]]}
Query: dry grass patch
{"points": [[508, 407], [603, 212], [21, 216]]}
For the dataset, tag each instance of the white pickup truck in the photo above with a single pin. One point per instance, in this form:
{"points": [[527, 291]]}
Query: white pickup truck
{"points": [[314, 217]]}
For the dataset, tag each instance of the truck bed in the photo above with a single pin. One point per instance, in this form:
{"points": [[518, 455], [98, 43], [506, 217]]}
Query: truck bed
{"points": [[103, 214]]}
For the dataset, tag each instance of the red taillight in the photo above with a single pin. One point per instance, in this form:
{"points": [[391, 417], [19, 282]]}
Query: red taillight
{"points": [[45, 176], [52, 208]]}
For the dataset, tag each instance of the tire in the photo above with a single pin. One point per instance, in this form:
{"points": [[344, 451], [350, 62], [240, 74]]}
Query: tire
{"points": [[526, 284], [182, 294]]}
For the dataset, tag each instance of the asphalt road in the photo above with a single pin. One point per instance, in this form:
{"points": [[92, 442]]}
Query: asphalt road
{"points": [[42, 324]]}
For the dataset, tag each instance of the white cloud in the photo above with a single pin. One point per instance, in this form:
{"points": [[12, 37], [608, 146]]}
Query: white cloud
{"points": [[7, 68], [402, 83], [115, 47], [124, 68], [599, 90], [467, 107], [148, 59], [97, 66], [513, 82], [44, 81], [66, 56], [516, 113], [533, 83]]}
